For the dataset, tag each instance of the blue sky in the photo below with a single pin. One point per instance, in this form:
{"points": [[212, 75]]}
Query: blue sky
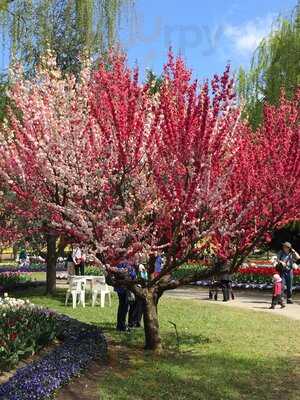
{"points": [[209, 34]]}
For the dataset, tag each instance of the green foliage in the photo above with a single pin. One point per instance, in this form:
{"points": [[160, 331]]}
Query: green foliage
{"points": [[24, 329], [186, 270], [4, 100], [275, 66], [94, 271], [154, 82], [258, 279]]}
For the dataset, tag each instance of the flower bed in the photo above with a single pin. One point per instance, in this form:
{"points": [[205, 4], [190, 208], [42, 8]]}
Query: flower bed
{"points": [[34, 268], [42, 267], [81, 343], [11, 279], [248, 277], [30, 268], [24, 329], [62, 273], [260, 275]]}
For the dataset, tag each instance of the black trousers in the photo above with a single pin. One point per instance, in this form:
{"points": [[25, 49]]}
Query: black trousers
{"points": [[122, 311], [277, 300], [225, 289], [136, 310], [79, 268]]}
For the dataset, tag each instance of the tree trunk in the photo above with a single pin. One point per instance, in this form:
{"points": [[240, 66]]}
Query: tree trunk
{"points": [[61, 246], [51, 264], [151, 325], [15, 251]]}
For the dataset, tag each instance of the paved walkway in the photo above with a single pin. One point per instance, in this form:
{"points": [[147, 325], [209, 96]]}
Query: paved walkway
{"points": [[247, 299], [251, 300]]}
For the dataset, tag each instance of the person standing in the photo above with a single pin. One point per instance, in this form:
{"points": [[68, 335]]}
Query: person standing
{"points": [[158, 265], [70, 264], [124, 268], [277, 292], [225, 280], [23, 257], [142, 272], [79, 260], [286, 263]]}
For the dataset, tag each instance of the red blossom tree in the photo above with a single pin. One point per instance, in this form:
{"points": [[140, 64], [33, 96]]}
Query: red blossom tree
{"points": [[177, 172]]}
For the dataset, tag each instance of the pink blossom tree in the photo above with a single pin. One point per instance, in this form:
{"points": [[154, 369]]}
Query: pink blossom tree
{"points": [[45, 131], [8, 231]]}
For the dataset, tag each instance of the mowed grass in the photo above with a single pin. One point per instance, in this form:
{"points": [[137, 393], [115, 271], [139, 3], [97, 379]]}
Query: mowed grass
{"points": [[39, 276], [223, 353]]}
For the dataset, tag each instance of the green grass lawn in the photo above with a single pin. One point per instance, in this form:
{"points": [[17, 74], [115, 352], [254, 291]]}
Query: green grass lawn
{"points": [[38, 276], [224, 354], [7, 262]]}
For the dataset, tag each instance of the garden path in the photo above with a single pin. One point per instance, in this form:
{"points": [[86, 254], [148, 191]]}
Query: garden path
{"points": [[251, 300]]}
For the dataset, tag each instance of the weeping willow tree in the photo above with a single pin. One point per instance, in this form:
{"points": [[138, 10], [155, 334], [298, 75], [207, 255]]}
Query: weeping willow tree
{"points": [[275, 66], [70, 28]]}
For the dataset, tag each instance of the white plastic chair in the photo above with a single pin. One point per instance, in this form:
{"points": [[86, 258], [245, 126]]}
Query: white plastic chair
{"points": [[77, 290], [95, 280], [99, 287]]}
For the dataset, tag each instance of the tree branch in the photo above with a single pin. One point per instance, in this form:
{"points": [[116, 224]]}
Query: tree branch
{"points": [[217, 270]]}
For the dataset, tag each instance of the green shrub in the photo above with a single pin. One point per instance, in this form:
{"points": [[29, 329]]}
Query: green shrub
{"points": [[186, 270], [95, 271]]}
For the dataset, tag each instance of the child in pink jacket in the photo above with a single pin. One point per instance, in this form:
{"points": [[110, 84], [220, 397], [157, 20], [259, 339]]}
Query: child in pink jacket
{"points": [[277, 292]]}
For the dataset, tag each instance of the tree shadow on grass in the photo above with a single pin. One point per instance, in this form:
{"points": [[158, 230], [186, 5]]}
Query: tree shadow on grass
{"points": [[184, 341], [201, 377]]}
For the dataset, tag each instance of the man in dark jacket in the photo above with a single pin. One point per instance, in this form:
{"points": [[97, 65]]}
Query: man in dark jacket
{"points": [[123, 294], [287, 258]]}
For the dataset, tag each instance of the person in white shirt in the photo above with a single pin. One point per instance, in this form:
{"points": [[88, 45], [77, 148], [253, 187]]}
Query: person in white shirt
{"points": [[79, 260]]}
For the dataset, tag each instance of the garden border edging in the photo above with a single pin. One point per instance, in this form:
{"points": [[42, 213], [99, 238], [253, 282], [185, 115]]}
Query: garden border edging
{"points": [[39, 380]]}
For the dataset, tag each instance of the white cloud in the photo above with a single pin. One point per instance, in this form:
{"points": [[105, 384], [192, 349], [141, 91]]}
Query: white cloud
{"points": [[245, 38]]}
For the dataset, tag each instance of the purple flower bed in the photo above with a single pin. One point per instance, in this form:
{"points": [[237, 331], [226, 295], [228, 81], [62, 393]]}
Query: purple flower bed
{"points": [[8, 268], [30, 268], [42, 267], [82, 343]]}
